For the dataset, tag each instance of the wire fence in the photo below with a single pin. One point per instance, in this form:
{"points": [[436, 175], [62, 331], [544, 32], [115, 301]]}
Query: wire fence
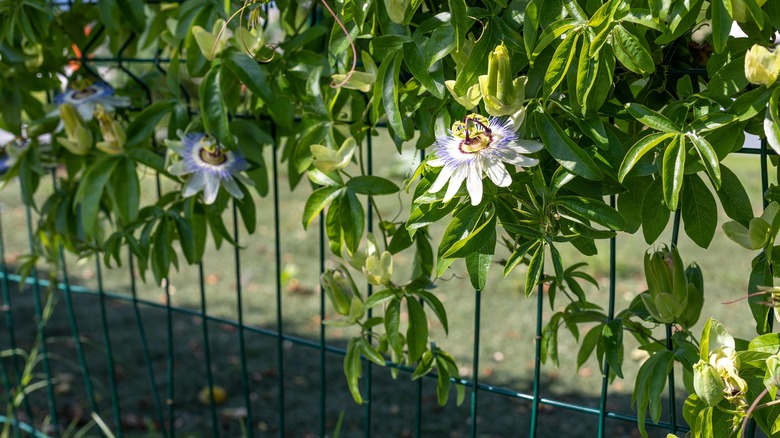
{"points": [[162, 381]]}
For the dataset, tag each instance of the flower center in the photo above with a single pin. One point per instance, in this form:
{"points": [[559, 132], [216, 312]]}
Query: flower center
{"points": [[476, 143], [212, 155], [85, 93]]}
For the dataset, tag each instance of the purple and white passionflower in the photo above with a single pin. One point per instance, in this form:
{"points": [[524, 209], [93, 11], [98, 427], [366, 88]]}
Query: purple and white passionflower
{"points": [[208, 165], [479, 146], [86, 95]]}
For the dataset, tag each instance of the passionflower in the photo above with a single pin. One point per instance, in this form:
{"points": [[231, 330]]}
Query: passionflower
{"points": [[209, 166], [762, 65], [86, 95], [479, 146]]}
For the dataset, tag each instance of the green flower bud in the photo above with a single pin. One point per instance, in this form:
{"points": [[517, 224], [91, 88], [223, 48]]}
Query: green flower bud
{"points": [[762, 65], [708, 383], [502, 92], [79, 138], [339, 289], [326, 159], [773, 369], [379, 269], [469, 100], [667, 285], [113, 133]]}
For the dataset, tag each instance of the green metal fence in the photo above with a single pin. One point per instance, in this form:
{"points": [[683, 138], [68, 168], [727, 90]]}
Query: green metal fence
{"points": [[163, 381]]}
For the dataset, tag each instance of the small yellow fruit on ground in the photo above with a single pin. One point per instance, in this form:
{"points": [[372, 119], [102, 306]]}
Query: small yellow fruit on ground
{"points": [[220, 395]]}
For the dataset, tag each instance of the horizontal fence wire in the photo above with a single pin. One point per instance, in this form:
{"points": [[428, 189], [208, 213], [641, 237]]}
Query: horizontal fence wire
{"points": [[165, 413]]}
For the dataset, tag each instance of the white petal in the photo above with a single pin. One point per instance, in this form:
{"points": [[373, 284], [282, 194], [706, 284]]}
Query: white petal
{"points": [[211, 190], [436, 162], [455, 182], [527, 146], [524, 161], [474, 183], [232, 188], [498, 174], [444, 175], [194, 185], [179, 168], [86, 109]]}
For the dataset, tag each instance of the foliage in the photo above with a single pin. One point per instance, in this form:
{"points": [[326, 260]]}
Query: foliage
{"points": [[640, 100]]}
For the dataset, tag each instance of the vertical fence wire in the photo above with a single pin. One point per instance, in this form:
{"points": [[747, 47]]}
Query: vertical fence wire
{"points": [[538, 354], [207, 352], [610, 317], [475, 364], [9, 324], [170, 356], [109, 351], [278, 264], [241, 338], [323, 377], [139, 323], [13, 422], [370, 289], [669, 344], [41, 329]]}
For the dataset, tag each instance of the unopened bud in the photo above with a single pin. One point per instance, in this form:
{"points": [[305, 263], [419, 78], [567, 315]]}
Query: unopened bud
{"points": [[379, 269], [708, 383], [339, 290], [114, 136], [762, 65], [79, 138]]}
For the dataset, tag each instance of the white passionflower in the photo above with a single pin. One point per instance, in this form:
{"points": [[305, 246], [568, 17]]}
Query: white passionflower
{"points": [[479, 146], [85, 96], [208, 166]]}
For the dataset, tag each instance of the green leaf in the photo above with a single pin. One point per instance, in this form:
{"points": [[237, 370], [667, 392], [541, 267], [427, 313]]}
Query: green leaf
{"points": [[393, 325], [186, 240], [561, 61], [565, 151], [708, 157], [419, 68], [370, 353], [212, 107], [588, 344], [133, 12], [372, 185], [587, 72], [650, 383], [593, 210], [353, 370], [142, 126], [632, 51], [760, 275], [673, 170], [461, 20], [352, 219], [519, 254], [417, 330], [318, 200], [476, 238], [734, 198], [639, 149], [655, 215], [478, 262], [442, 384], [126, 190], [612, 337], [437, 306], [651, 118], [750, 104], [389, 90], [738, 233], [535, 268], [90, 192], [699, 211], [249, 72], [721, 23]]}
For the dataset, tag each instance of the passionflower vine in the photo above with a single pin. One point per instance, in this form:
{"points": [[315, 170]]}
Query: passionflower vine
{"points": [[479, 146], [208, 165], [86, 95]]}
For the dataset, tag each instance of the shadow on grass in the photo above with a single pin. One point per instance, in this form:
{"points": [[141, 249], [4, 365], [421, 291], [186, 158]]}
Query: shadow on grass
{"points": [[394, 407]]}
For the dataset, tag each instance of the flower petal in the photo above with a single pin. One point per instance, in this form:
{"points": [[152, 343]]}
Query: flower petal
{"points": [[194, 185], [436, 162], [444, 175], [85, 109], [527, 146], [211, 189], [524, 161], [498, 174], [474, 183], [232, 188], [179, 168], [455, 182]]}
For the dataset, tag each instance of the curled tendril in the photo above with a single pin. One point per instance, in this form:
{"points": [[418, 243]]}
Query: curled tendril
{"points": [[240, 13], [351, 44]]}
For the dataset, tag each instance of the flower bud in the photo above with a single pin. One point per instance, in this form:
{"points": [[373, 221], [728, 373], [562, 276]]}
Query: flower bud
{"points": [[113, 133], [708, 383], [773, 369], [379, 269], [762, 65], [326, 159], [79, 138], [502, 92], [339, 290]]}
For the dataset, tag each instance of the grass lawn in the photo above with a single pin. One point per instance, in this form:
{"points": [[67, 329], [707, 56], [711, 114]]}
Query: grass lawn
{"points": [[506, 343]]}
